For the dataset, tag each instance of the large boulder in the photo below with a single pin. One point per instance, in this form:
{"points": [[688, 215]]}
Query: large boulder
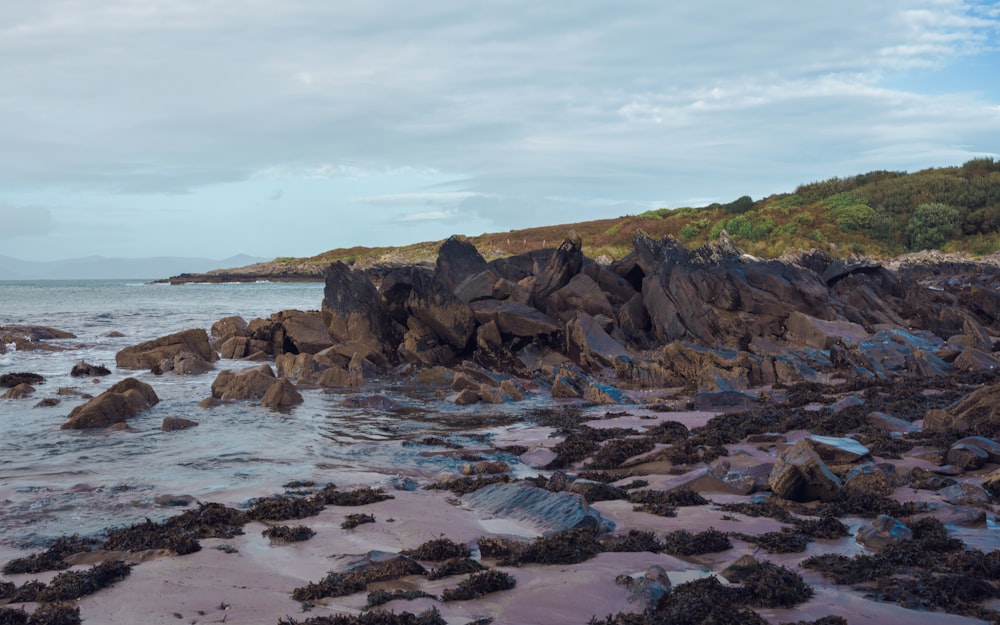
{"points": [[566, 262], [801, 475], [227, 328], [816, 333], [515, 318], [151, 353], [353, 311], [458, 259], [302, 332], [250, 383], [581, 293], [541, 510], [281, 396], [122, 401], [977, 414], [590, 346]]}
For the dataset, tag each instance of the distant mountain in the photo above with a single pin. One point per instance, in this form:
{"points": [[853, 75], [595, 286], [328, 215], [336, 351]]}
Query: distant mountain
{"points": [[100, 267]]}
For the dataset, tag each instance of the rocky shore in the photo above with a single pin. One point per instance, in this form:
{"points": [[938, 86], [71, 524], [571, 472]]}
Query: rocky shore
{"points": [[724, 439]]}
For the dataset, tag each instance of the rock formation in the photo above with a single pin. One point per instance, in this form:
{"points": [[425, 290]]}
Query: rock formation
{"points": [[121, 402]]}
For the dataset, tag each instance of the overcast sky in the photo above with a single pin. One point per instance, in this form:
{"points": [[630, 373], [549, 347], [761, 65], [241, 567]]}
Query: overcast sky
{"points": [[286, 128]]}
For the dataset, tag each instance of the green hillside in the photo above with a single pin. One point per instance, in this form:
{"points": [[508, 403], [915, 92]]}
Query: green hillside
{"points": [[880, 213]]}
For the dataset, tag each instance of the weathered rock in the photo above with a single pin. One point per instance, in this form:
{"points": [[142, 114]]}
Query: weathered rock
{"points": [[478, 286], [411, 291], [227, 328], [537, 508], [870, 480], [86, 370], [836, 450], [820, 333], [422, 345], [582, 294], [11, 380], [20, 391], [48, 402], [149, 354], [565, 263], [647, 591], [972, 359], [235, 347], [590, 346], [26, 338], [353, 310], [122, 401], [457, 260], [338, 377], [304, 332], [515, 318], [965, 494], [978, 413], [250, 383], [712, 369], [801, 475], [966, 457], [486, 467], [172, 424], [466, 397], [889, 423], [881, 531], [281, 396], [988, 445], [991, 483], [186, 363]]}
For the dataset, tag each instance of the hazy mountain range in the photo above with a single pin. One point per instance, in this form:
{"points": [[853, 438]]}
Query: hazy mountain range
{"points": [[101, 267]]}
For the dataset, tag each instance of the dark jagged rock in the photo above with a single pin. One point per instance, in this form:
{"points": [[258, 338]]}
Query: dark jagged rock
{"points": [[252, 383], [541, 509], [86, 370], [354, 312], [457, 260]]}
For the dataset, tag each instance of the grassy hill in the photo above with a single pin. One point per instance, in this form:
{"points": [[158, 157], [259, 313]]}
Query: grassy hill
{"points": [[880, 214]]}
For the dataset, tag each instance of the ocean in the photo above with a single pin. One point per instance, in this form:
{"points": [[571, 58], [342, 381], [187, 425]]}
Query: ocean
{"points": [[55, 482]]}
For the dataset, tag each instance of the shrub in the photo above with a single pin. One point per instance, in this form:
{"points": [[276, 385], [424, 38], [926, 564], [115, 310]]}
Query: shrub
{"points": [[931, 225], [750, 226], [739, 206]]}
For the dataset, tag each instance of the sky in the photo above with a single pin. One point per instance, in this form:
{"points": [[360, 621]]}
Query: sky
{"points": [[209, 128]]}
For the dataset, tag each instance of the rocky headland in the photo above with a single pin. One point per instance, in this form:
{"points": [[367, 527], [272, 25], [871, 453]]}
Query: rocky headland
{"points": [[807, 439]]}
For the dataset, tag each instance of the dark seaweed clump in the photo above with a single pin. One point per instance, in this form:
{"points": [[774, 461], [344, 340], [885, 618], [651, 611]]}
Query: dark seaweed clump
{"points": [[282, 508], [149, 535], [210, 520], [455, 566], [566, 547], [353, 520], [478, 585], [52, 559], [684, 543], [766, 508], [787, 540], [11, 380], [342, 584], [634, 541], [438, 550], [501, 548], [468, 484], [381, 597], [929, 571], [288, 534], [599, 491], [707, 601], [430, 616], [615, 452], [68, 585], [665, 503], [330, 496], [45, 614]]}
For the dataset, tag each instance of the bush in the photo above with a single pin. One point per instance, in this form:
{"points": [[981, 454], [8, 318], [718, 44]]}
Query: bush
{"points": [[931, 225], [739, 206], [750, 226]]}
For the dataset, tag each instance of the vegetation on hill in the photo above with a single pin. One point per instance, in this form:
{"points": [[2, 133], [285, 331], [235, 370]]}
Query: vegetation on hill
{"points": [[881, 213]]}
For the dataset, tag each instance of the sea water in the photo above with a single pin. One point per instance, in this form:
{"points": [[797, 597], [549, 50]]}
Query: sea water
{"points": [[55, 482]]}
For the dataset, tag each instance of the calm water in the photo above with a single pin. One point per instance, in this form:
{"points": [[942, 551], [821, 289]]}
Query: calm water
{"points": [[55, 482]]}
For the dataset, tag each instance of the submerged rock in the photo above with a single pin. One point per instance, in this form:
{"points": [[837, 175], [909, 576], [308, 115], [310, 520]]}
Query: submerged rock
{"points": [[151, 353]]}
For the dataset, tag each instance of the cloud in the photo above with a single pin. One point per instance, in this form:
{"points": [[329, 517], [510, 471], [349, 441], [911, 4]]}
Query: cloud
{"points": [[24, 221]]}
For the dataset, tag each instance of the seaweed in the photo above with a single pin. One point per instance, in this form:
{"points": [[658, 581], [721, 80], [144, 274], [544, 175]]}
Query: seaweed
{"points": [[466, 485], [455, 566], [55, 614], [10, 616], [787, 540], [569, 546], [634, 541], [71, 585], [52, 559], [283, 508], [381, 597], [438, 550], [615, 452], [288, 534], [478, 585], [767, 508], [501, 548], [431, 616], [599, 491], [684, 543], [353, 520], [149, 535], [770, 585], [665, 503], [357, 580], [210, 520]]}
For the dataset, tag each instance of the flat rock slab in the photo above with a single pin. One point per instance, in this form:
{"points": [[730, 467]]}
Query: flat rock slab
{"points": [[540, 509]]}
